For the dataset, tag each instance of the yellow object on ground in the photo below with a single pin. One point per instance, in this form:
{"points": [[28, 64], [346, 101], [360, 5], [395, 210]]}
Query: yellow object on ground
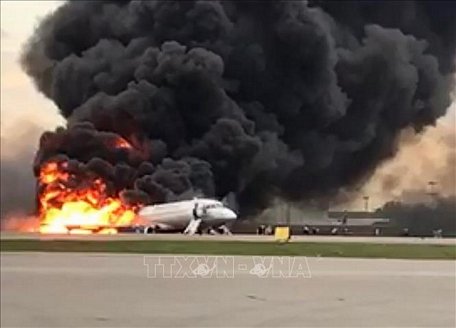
{"points": [[282, 234]]}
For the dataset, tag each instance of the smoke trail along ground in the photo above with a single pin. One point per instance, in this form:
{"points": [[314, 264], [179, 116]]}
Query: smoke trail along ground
{"points": [[17, 181], [264, 99], [422, 218]]}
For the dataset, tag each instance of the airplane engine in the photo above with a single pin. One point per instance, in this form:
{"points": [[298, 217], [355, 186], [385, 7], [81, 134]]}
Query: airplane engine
{"points": [[150, 230]]}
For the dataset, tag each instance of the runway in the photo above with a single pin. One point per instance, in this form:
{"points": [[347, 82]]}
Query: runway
{"points": [[80, 290], [235, 237]]}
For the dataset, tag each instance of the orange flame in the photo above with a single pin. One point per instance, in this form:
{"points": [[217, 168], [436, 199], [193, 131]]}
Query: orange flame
{"points": [[82, 210], [122, 143]]}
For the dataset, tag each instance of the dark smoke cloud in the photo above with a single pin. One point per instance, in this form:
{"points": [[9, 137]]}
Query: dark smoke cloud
{"points": [[17, 187], [264, 99], [17, 184]]}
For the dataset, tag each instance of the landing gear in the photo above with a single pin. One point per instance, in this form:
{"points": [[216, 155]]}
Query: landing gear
{"points": [[218, 230], [212, 231], [224, 230]]}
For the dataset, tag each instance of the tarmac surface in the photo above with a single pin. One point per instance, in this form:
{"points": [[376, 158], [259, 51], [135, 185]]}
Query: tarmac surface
{"points": [[101, 290], [235, 237]]}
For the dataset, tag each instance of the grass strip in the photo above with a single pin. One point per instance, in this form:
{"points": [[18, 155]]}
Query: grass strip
{"points": [[362, 250]]}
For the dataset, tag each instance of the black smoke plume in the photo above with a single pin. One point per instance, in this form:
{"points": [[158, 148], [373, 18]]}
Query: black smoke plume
{"points": [[264, 99]]}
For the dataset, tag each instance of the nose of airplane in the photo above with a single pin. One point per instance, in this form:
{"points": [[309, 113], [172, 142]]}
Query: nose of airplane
{"points": [[224, 214], [221, 213], [229, 214]]}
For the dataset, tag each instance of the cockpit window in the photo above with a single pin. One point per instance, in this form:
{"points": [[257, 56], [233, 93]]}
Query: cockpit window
{"points": [[216, 205]]}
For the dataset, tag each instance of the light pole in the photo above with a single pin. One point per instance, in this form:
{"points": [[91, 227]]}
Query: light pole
{"points": [[432, 188], [366, 203], [432, 192], [288, 214]]}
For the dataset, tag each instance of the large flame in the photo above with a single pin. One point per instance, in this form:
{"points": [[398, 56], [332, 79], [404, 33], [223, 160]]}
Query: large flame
{"points": [[83, 209]]}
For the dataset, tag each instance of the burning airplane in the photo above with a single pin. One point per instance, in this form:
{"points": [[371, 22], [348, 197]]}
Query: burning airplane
{"points": [[165, 100]]}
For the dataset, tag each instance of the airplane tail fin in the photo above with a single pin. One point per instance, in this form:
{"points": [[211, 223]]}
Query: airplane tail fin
{"points": [[230, 201]]}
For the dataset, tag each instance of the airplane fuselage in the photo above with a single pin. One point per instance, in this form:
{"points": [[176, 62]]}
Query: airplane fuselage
{"points": [[178, 215]]}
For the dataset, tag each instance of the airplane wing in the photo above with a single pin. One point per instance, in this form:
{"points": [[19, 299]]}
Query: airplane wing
{"points": [[192, 227]]}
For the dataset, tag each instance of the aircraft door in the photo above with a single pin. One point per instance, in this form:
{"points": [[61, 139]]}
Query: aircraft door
{"points": [[199, 211]]}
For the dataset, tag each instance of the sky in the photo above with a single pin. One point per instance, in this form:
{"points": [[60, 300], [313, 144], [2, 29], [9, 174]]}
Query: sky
{"points": [[20, 102], [25, 113]]}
